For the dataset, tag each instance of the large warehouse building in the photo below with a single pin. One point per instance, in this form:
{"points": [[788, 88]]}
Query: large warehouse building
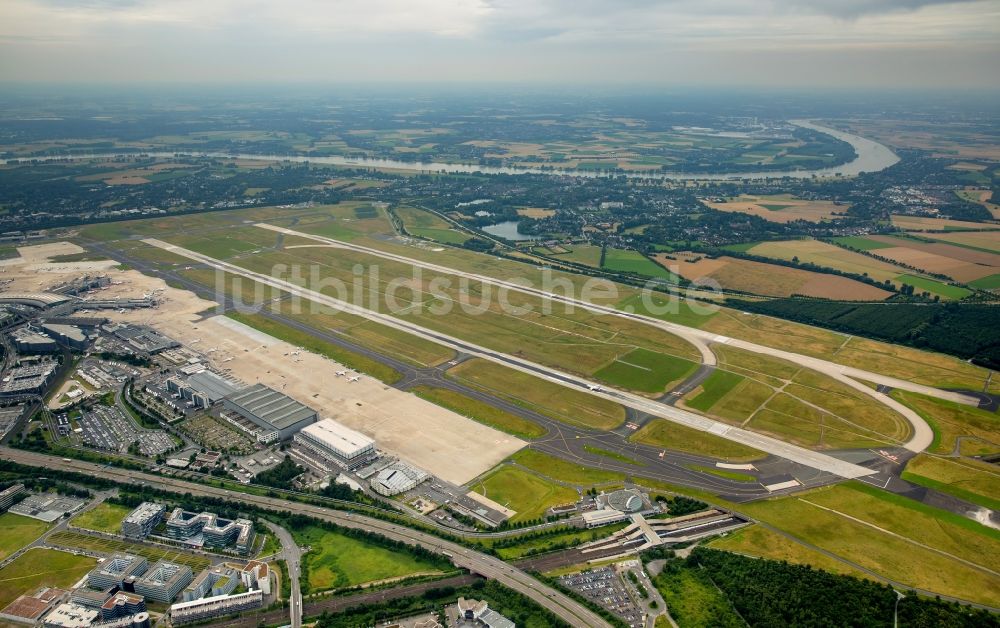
{"points": [[337, 443], [278, 415]]}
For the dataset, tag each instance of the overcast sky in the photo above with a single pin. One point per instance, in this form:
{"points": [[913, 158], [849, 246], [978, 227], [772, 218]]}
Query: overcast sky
{"points": [[796, 43]]}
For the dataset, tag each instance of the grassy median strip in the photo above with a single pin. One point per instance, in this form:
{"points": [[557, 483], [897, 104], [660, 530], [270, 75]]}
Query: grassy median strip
{"points": [[669, 435]]}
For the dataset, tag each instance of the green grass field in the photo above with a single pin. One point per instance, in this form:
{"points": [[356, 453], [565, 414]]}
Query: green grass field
{"points": [[723, 473], [718, 384], [663, 307], [564, 470], [646, 371], [76, 540], [614, 455], [764, 543], [17, 531], [664, 433], [427, 225], [479, 411], [971, 480], [694, 601], [876, 546], [862, 243], [628, 261], [336, 561], [584, 254], [103, 518], [946, 291], [524, 492], [990, 282], [553, 400], [41, 567], [951, 420]]}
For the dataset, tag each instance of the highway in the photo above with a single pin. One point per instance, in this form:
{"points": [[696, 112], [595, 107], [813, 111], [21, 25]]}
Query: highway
{"points": [[567, 609], [794, 453], [922, 434], [292, 555]]}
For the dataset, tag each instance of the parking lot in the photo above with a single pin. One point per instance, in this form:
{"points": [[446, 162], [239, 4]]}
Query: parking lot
{"points": [[213, 434], [605, 587], [108, 428]]}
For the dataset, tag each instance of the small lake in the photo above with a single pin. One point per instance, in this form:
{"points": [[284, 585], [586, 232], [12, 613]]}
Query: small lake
{"points": [[508, 230]]}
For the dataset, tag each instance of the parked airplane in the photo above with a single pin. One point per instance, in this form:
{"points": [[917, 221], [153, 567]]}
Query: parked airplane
{"points": [[354, 379], [341, 373]]}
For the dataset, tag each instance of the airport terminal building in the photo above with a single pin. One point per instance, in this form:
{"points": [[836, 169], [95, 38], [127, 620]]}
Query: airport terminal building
{"points": [[277, 415], [337, 444]]}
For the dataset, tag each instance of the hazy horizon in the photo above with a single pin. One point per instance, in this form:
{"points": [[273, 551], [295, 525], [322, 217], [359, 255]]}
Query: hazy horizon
{"points": [[795, 44]]}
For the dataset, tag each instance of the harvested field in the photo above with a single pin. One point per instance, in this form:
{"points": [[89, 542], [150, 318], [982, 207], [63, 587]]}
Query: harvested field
{"points": [[824, 254], [781, 208], [960, 263], [536, 212], [770, 279], [924, 223], [989, 240]]}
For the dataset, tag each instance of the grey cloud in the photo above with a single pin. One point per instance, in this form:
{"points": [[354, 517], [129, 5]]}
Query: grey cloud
{"points": [[850, 9]]}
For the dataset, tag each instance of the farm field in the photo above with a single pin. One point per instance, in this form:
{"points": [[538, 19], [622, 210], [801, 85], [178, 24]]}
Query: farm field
{"points": [[924, 223], [337, 561], [982, 197], [76, 540], [536, 212], [762, 542], [41, 567], [957, 428], [585, 254], [526, 493], [922, 284], [960, 263], [988, 240], [479, 411], [669, 435], [104, 517], [627, 261], [769, 279], [780, 208], [424, 224], [550, 399], [825, 254], [822, 517], [645, 371], [17, 531], [972, 480]]}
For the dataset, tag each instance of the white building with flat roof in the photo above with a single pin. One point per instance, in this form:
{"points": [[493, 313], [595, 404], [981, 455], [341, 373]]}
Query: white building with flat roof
{"points": [[337, 443]]}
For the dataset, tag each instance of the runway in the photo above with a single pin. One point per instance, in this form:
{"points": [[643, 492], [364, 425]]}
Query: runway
{"points": [[799, 455], [920, 440]]}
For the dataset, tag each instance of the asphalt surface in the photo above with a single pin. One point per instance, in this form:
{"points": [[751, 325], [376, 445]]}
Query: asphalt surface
{"points": [[489, 567], [291, 553], [794, 453], [922, 434], [561, 440]]}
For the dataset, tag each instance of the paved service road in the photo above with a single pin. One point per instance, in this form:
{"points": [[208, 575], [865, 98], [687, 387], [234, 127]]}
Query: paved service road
{"points": [[567, 609], [922, 434], [799, 455]]}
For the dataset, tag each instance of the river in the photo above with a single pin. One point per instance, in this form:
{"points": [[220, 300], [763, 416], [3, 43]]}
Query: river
{"points": [[871, 157]]}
